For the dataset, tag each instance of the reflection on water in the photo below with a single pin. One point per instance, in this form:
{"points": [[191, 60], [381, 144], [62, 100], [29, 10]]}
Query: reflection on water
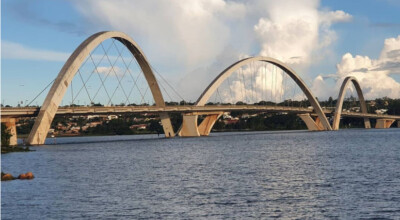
{"points": [[344, 175]]}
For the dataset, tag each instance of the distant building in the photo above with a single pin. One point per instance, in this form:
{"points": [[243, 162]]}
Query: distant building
{"points": [[355, 109], [93, 116], [138, 119], [231, 121], [248, 116], [138, 127], [94, 124], [226, 115], [111, 117], [381, 111], [149, 119], [372, 103]]}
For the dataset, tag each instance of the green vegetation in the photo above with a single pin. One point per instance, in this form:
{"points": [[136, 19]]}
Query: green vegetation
{"points": [[263, 121], [5, 142], [9, 149], [112, 127], [128, 124], [25, 126], [5, 136]]}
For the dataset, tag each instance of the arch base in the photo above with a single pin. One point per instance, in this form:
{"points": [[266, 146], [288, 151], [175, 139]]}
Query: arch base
{"points": [[207, 124], [312, 125], [384, 123], [167, 126]]}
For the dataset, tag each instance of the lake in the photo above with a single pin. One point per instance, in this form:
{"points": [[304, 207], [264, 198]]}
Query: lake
{"points": [[346, 174]]}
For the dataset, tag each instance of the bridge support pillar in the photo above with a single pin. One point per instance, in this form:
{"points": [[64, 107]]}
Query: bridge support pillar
{"points": [[166, 124], [311, 124], [384, 123], [398, 124], [10, 123], [207, 124], [189, 126], [367, 123]]}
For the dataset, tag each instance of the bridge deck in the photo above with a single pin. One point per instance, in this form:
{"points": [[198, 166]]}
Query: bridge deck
{"points": [[94, 110]]}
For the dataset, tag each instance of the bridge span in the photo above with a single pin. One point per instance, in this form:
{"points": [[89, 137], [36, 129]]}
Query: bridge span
{"points": [[207, 109], [249, 80], [17, 112], [10, 114]]}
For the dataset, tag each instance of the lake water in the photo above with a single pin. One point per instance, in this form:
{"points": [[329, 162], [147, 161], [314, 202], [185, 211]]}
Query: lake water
{"points": [[348, 174]]}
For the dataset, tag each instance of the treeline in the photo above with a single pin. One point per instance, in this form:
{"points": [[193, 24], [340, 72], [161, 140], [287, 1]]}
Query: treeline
{"points": [[392, 105], [263, 121]]}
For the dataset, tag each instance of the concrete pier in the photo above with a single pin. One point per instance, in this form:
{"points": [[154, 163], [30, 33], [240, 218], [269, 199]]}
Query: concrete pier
{"points": [[10, 123]]}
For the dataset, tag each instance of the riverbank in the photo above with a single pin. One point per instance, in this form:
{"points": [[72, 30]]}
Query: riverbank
{"points": [[5, 150]]}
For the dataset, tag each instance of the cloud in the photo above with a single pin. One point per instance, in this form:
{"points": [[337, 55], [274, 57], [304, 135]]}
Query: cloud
{"points": [[298, 37], [109, 71], [250, 85], [374, 75], [11, 50], [191, 35], [184, 33], [193, 41], [330, 17]]}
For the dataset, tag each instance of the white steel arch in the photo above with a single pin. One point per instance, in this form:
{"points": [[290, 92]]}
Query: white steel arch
{"points": [[189, 124], [340, 99], [68, 71], [205, 96]]}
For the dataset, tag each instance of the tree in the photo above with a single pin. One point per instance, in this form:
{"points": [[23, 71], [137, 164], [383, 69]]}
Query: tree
{"points": [[5, 136], [155, 126], [330, 101], [219, 125]]}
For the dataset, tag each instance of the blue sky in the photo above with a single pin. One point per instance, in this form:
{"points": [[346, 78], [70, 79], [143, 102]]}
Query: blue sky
{"points": [[38, 36]]}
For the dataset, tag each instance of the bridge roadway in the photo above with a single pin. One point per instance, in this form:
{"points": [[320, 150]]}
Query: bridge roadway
{"points": [[12, 112]]}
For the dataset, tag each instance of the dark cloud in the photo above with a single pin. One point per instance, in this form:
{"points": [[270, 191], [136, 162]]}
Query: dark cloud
{"points": [[393, 53], [385, 25], [364, 70], [392, 66], [23, 10]]}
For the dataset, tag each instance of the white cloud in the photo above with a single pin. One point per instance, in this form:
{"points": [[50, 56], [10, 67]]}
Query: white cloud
{"points": [[200, 38], [374, 75], [177, 32], [330, 17], [11, 50], [111, 71], [194, 36], [295, 37]]}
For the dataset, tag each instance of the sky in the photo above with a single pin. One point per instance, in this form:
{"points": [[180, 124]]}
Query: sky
{"points": [[190, 42]]}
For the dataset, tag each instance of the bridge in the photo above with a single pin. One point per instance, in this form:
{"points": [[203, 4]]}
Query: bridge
{"points": [[250, 80]]}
